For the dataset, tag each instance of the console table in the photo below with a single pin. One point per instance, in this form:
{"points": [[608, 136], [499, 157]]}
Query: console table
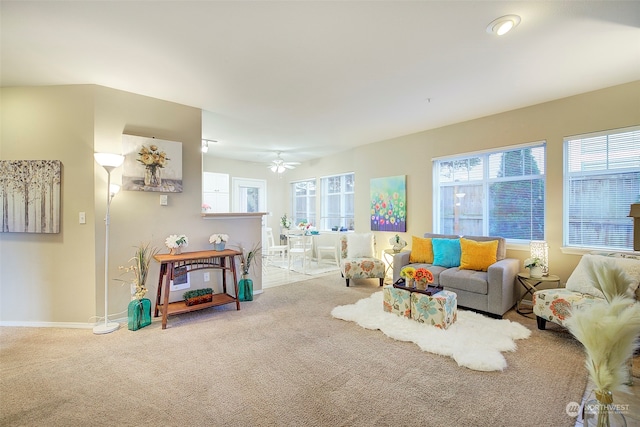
{"points": [[191, 261]]}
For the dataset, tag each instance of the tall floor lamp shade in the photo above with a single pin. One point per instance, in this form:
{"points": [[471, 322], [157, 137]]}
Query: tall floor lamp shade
{"points": [[109, 162]]}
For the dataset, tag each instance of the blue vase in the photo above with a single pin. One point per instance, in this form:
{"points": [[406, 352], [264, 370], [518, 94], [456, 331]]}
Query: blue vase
{"points": [[139, 314], [245, 289], [219, 246]]}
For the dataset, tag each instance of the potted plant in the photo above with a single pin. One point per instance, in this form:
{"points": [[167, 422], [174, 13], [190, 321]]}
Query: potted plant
{"points": [[245, 286], [535, 267], [139, 310], [219, 240], [285, 222], [176, 242], [198, 296]]}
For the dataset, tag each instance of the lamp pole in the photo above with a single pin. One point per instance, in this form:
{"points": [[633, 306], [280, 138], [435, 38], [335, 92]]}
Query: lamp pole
{"points": [[109, 162]]}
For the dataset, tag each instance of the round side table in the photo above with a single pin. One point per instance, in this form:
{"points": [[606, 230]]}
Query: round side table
{"points": [[530, 285]]}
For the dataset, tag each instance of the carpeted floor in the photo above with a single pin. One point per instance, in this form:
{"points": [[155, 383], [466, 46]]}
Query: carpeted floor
{"points": [[281, 360]]}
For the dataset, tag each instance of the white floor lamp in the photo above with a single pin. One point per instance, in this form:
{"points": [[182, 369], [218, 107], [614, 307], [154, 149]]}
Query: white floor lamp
{"points": [[109, 162]]}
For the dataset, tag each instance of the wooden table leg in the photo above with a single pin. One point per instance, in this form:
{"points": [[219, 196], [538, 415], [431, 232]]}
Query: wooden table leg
{"points": [[163, 271], [235, 280], [167, 289]]}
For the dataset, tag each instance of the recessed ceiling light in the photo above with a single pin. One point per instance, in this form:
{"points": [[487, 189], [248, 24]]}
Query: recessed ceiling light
{"points": [[503, 25]]}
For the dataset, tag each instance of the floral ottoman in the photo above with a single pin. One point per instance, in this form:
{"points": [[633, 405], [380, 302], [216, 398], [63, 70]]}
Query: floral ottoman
{"points": [[439, 310], [397, 301], [555, 305]]}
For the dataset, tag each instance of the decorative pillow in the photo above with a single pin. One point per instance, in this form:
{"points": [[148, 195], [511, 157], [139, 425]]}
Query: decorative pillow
{"points": [[359, 245], [581, 280], [477, 255], [446, 252], [421, 251]]}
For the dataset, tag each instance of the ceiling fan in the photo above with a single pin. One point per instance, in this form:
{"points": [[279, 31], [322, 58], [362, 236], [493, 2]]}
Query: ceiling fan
{"points": [[279, 166]]}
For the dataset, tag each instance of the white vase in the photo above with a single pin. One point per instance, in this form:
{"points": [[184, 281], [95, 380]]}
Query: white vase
{"points": [[536, 272]]}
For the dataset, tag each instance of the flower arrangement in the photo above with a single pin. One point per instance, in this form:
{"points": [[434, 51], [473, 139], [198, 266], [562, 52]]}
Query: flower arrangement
{"points": [[177, 241], [206, 207], [153, 160], [609, 332], [152, 157], [246, 258], [397, 242], [423, 276], [140, 268], [532, 262], [304, 225], [408, 273], [285, 222], [218, 238]]}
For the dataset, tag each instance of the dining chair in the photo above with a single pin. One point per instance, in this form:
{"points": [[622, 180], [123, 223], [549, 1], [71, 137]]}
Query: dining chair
{"points": [[326, 245], [299, 246], [272, 248]]}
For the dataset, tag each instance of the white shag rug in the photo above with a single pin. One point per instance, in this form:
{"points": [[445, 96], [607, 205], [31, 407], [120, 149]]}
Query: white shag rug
{"points": [[473, 341]]}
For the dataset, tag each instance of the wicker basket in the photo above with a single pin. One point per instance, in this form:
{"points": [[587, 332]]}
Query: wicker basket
{"points": [[199, 300]]}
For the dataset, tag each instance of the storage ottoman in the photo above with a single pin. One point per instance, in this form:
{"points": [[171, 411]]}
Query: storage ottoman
{"points": [[439, 310], [395, 300]]}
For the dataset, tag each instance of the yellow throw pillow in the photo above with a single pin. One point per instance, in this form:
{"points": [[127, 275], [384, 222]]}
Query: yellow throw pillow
{"points": [[477, 255], [421, 251]]}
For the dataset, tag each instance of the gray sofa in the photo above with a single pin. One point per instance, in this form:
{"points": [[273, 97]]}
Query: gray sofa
{"points": [[491, 291]]}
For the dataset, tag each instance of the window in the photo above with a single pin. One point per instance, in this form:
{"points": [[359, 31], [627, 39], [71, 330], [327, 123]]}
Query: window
{"points": [[337, 202], [601, 181], [303, 194], [498, 193]]}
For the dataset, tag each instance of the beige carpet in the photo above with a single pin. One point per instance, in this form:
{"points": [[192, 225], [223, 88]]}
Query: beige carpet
{"points": [[282, 360]]}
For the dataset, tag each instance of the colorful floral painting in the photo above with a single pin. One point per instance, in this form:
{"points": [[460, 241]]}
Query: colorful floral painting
{"points": [[389, 203]]}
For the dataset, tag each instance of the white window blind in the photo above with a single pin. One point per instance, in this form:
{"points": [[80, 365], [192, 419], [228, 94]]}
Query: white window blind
{"points": [[601, 181], [496, 193]]}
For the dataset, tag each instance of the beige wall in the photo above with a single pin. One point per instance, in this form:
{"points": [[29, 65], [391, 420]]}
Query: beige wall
{"points": [[412, 155], [58, 278]]}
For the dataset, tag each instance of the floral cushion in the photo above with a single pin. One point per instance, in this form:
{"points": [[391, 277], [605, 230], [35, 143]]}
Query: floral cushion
{"points": [[439, 310], [362, 268], [397, 301], [555, 305]]}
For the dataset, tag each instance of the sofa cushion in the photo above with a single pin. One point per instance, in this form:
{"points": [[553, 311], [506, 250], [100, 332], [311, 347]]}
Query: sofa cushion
{"points": [[477, 255], [446, 252], [583, 281], [421, 250], [359, 245], [465, 280]]}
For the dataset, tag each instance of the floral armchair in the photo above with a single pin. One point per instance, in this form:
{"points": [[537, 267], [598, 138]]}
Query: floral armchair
{"points": [[357, 257], [555, 305]]}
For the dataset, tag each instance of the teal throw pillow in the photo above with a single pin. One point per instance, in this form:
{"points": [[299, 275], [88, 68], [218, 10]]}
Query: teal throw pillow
{"points": [[446, 252]]}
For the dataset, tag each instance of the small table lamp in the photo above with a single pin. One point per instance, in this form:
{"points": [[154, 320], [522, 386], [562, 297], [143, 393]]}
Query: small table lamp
{"points": [[540, 249]]}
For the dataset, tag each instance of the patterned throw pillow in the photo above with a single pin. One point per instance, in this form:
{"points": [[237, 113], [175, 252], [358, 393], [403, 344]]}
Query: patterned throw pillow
{"points": [[421, 251], [446, 252], [477, 255]]}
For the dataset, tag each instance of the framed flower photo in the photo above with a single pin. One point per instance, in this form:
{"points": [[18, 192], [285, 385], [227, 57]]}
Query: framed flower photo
{"points": [[151, 164]]}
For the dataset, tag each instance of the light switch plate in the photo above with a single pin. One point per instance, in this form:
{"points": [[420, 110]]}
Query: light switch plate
{"points": [[164, 200], [82, 218]]}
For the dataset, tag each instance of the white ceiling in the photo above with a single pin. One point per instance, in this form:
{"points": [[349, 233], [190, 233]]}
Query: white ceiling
{"points": [[311, 78]]}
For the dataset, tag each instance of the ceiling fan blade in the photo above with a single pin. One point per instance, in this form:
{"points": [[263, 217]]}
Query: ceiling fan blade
{"points": [[288, 166]]}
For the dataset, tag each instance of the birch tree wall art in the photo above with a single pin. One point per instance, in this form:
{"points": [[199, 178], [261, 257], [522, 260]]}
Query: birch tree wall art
{"points": [[30, 196]]}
